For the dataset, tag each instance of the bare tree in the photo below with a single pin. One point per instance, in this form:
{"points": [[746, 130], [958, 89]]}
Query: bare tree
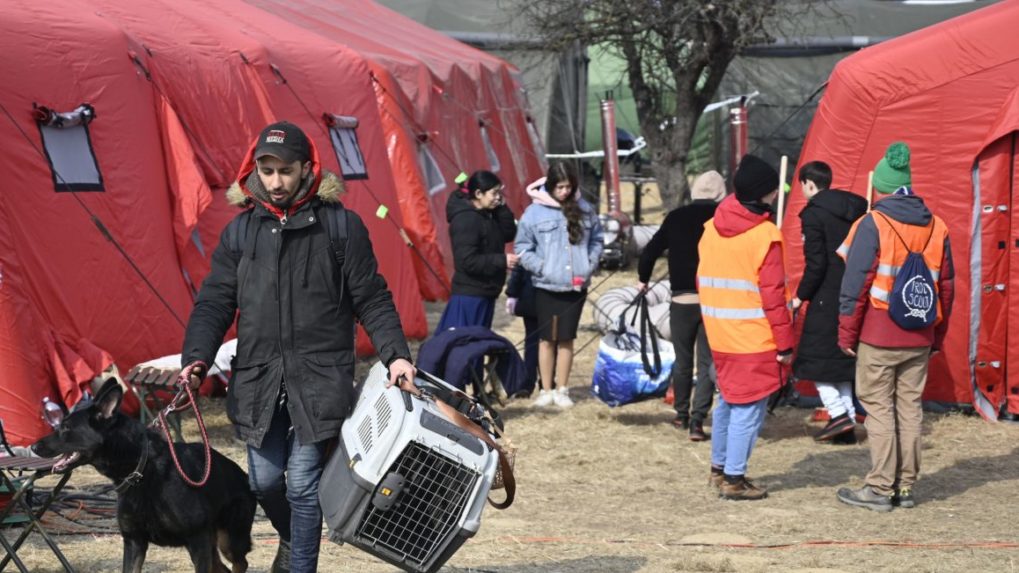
{"points": [[676, 53]]}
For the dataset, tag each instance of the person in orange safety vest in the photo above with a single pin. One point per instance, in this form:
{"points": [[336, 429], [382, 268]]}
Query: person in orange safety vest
{"points": [[891, 365], [741, 284]]}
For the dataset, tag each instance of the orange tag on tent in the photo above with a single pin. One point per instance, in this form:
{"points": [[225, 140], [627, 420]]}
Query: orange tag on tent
{"points": [[382, 211]]}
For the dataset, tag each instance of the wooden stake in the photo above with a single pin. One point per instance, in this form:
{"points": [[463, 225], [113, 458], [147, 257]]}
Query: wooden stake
{"points": [[782, 170], [870, 189]]}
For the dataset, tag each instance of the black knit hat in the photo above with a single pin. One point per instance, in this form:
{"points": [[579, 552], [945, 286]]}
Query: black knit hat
{"points": [[754, 179]]}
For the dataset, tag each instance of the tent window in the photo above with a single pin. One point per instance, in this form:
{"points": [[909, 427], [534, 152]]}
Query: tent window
{"points": [[343, 133], [433, 175], [68, 146], [493, 159]]}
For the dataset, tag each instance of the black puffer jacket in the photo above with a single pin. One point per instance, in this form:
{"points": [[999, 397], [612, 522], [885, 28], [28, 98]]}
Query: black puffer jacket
{"points": [[825, 221], [479, 238], [294, 326]]}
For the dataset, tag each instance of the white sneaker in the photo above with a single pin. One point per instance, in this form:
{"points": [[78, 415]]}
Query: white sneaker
{"points": [[545, 398], [562, 398]]}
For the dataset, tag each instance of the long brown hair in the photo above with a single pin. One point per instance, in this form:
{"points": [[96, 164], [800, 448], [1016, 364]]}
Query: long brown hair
{"points": [[559, 172]]}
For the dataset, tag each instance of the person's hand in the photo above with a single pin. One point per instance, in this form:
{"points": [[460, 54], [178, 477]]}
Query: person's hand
{"points": [[848, 352], [797, 303], [511, 260], [197, 375], [784, 359], [400, 368], [641, 287], [511, 306]]}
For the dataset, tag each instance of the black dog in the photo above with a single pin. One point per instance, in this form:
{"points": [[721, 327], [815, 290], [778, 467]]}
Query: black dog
{"points": [[154, 504]]}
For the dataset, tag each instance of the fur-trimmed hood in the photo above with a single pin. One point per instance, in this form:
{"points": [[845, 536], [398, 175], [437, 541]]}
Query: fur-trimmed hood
{"points": [[330, 190], [326, 185]]}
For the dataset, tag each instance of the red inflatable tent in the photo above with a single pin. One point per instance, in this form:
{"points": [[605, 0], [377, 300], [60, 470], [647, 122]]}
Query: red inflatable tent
{"points": [[950, 92], [176, 91]]}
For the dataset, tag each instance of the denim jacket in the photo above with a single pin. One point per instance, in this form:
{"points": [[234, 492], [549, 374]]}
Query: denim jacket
{"points": [[544, 247]]}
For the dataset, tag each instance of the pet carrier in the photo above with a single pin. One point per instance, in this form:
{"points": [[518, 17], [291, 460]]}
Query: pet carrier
{"points": [[409, 477]]}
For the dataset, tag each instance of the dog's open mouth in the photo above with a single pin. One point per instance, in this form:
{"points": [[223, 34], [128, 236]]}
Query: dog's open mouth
{"points": [[64, 461]]}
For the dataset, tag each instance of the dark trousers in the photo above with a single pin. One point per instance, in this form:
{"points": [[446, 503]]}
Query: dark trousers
{"points": [[531, 351], [688, 332]]}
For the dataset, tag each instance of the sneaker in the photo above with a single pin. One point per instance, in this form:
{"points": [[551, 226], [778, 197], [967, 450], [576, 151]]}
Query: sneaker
{"points": [[562, 398], [865, 497], [544, 399], [716, 478], [741, 489], [697, 432], [680, 423], [845, 439], [837, 425], [903, 497], [281, 563]]}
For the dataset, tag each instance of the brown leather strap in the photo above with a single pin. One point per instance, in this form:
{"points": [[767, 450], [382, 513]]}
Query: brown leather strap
{"points": [[504, 466]]}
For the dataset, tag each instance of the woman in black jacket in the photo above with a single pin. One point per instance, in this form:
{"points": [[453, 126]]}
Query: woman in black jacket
{"points": [[826, 221], [480, 225]]}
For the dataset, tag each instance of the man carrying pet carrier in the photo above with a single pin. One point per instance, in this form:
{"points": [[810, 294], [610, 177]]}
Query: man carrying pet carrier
{"points": [[894, 305], [297, 268]]}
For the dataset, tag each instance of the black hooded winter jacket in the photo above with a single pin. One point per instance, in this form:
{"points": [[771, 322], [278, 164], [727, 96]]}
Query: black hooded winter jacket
{"points": [[479, 238], [825, 221], [295, 318]]}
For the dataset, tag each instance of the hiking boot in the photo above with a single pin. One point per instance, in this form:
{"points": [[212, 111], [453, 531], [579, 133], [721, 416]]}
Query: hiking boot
{"points": [[865, 497], [281, 563], [845, 439], [837, 425], [697, 432], [680, 423], [903, 497], [544, 399], [562, 398], [740, 488], [716, 478]]}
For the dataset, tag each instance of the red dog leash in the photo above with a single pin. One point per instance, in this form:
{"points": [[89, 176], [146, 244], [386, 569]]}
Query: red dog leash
{"points": [[176, 405]]}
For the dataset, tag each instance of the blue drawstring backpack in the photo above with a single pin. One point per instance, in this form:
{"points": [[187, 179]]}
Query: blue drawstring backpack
{"points": [[913, 302]]}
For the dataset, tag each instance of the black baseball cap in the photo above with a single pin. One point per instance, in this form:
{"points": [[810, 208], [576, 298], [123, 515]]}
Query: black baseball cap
{"points": [[284, 141]]}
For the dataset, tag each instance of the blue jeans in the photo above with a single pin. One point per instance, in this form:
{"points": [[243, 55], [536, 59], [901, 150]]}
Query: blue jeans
{"points": [[733, 434], [290, 501]]}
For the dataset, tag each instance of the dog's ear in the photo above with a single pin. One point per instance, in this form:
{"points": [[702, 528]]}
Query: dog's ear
{"points": [[109, 398]]}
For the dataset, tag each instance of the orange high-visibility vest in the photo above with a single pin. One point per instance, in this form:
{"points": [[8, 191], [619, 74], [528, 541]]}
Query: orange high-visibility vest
{"points": [[892, 252], [728, 282]]}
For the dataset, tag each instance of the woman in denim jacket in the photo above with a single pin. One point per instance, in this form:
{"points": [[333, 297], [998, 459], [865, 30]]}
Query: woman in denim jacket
{"points": [[559, 240]]}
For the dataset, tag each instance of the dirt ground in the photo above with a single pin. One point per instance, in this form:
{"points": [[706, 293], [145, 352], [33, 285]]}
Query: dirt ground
{"points": [[619, 490]]}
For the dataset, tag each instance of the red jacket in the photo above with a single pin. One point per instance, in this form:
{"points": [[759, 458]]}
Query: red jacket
{"points": [[748, 377]]}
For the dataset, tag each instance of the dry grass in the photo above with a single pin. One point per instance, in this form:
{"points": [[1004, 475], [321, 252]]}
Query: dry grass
{"points": [[619, 490]]}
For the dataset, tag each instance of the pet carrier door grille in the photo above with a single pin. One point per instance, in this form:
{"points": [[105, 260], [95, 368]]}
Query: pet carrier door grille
{"points": [[428, 509]]}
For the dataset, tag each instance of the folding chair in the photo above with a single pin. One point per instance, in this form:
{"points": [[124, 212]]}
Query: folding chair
{"points": [[11, 467], [150, 383]]}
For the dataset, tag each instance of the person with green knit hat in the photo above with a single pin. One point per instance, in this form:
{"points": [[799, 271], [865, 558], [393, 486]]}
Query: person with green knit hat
{"points": [[892, 172], [892, 354]]}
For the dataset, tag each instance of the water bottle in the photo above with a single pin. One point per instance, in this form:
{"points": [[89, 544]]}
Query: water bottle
{"points": [[52, 412]]}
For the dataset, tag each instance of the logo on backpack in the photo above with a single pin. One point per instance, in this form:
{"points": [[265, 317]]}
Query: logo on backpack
{"points": [[913, 301]]}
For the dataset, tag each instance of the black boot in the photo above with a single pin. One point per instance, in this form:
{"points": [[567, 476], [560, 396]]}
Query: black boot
{"points": [[281, 564]]}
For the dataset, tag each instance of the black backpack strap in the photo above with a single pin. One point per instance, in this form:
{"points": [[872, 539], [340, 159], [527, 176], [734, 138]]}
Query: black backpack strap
{"points": [[335, 216], [647, 330]]}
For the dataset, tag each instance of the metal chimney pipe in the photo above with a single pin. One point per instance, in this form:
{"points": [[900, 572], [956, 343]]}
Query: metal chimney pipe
{"points": [[610, 172], [739, 134]]}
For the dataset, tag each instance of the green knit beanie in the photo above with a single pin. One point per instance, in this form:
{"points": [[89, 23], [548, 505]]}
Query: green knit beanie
{"points": [[892, 171]]}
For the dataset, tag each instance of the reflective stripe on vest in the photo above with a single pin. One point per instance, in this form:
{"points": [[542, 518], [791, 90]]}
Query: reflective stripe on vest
{"points": [[727, 283]]}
